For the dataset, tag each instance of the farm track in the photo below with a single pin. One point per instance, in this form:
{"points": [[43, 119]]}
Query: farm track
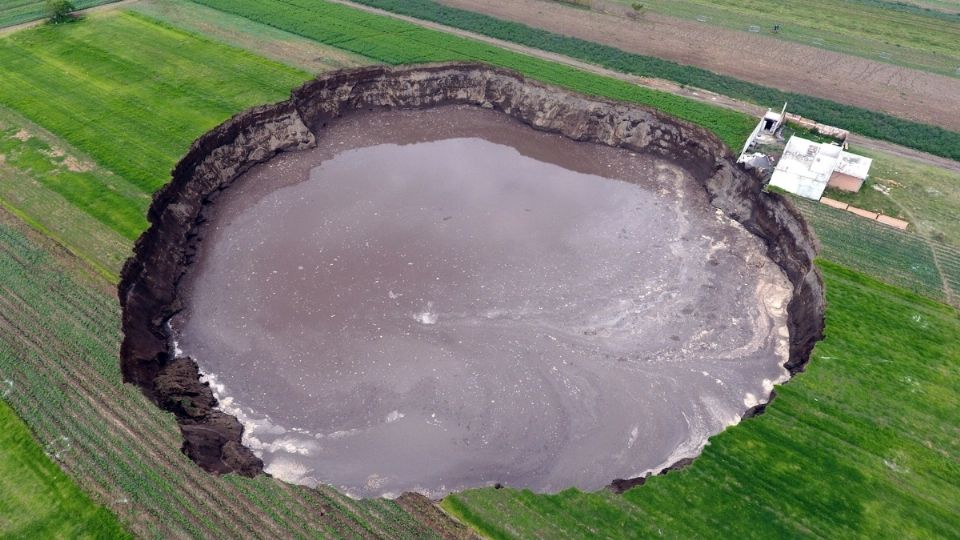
{"points": [[696, 94], [62, 339]]}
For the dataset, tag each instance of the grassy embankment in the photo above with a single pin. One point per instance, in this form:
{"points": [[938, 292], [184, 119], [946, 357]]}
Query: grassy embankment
{"points": [[20, 11], [904, 34], [53, 506], [864, 444], [932, 139], [132, 95]]}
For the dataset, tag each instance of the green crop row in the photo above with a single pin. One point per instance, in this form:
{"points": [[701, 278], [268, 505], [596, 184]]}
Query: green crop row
{"points": [[394, 41], [897, 257], [130, 92], [932, 139]]}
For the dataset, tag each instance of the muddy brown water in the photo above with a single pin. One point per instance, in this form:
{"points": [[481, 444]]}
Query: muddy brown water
{"points": [[441, 299]]}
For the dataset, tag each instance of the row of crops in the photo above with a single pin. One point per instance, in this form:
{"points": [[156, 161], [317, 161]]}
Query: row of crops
{"points": [[58, 341], [922, 265], [932, 139], [394, 41]]}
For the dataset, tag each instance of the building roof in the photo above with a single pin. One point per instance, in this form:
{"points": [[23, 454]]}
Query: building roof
{"points": [[806, 166], [854, 165]]}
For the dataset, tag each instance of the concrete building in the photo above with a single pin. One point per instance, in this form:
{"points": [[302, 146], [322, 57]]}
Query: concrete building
{"points": [[807, 168]]}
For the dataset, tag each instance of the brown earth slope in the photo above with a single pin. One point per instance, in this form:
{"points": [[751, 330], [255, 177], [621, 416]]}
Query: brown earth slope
{"points": [[915, 95]]}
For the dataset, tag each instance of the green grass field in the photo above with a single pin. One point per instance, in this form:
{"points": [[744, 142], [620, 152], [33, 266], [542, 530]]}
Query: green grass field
{"points": [[132, 94], [914, 38], [21, 11], [37, 500], [907, 259], [864, 444]]}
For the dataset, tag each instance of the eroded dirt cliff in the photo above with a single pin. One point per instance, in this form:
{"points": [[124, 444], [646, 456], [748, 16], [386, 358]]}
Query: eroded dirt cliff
{"points": [[149, 292]]}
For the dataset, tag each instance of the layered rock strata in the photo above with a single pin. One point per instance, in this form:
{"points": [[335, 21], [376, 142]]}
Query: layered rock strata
{"points": [[149, 293]]}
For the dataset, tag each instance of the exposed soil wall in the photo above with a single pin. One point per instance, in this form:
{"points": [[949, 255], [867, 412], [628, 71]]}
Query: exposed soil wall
{"points": [[148, 289]]}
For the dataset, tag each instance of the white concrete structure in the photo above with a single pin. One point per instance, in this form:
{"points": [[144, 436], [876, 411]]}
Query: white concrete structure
{"points": [[807, 167]]}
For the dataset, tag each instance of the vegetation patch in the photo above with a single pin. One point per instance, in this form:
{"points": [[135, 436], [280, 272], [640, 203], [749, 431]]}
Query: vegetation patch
{"points": [[932, 139], [864, 443], [926, 196], [37, 500], [904, 258]]}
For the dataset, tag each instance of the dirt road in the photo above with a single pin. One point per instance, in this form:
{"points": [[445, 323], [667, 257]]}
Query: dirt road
{"points": [[912, 94]]}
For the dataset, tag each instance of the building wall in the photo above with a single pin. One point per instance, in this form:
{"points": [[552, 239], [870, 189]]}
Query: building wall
{"points": [[845, 182]]}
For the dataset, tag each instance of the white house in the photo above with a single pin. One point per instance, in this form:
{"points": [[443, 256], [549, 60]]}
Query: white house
{"points": [[807, 168]]}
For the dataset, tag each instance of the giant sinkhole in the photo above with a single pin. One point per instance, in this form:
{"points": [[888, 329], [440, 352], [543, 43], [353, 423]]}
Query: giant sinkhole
{"points": [[397, 281]]}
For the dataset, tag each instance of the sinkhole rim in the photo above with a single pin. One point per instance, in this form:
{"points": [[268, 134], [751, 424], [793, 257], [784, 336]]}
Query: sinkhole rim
{"points": [[148, 289]]}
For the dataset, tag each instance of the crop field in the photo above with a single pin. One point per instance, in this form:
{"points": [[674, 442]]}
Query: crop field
{"points": [[37, 500], [604, 41], [94, 114], [903, 258], [21, 11], [905, 35], [132, 94], [864, 444], [923, 195], [284, 47]]}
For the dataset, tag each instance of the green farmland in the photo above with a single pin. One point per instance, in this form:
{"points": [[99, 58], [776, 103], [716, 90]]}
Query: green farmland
{"points": [[37, 500], [865, 443], [904, 35]]}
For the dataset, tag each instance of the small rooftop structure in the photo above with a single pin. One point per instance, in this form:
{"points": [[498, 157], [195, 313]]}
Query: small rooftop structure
{"points": [[807, 168], [772, 121]]}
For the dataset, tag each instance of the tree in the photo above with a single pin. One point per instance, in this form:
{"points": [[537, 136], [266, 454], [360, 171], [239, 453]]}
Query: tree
{"points": [[60, 11]]}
